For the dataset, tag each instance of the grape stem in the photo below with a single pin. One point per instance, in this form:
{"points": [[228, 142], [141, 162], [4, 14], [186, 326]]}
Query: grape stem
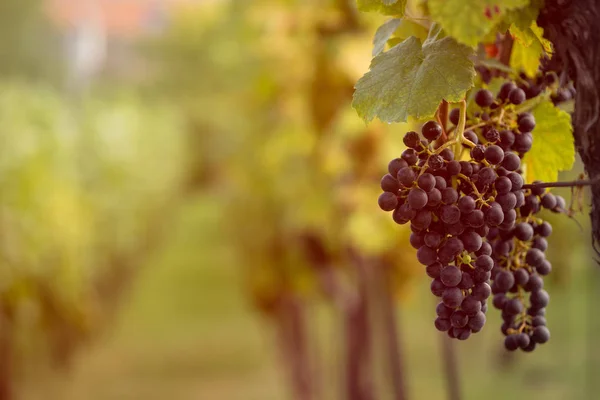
{"points": [[576, 183]]}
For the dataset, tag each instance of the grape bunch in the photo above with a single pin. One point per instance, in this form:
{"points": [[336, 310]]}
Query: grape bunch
{"points": [[519, 265], [473, 221], [449, 217]]}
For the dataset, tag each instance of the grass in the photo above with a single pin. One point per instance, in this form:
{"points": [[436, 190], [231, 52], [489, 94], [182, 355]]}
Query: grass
{"points": [[186, 333]]}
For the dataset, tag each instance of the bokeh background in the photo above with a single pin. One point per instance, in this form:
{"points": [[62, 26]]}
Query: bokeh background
{"points": [[188, 211]]}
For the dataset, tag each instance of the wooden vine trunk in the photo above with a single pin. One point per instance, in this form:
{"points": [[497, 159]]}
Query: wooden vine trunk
{"points": [[572, 26]]}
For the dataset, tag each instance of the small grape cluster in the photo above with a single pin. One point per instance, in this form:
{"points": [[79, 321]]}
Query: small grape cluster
{"points": [[473, 220], [520, 264]]}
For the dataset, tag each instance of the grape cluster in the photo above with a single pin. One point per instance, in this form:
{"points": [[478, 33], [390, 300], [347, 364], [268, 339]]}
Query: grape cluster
{"points": [[519, 265], [449, 219], [473, 220]]}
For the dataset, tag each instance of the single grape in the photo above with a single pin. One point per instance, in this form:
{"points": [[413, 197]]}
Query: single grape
{"points": [[504, 280], [476, 322], [484, 98], [471, 240], [451, 276], [507, 139], [548, 201], [454, 246], [523, 142], [513, 306], [526, 124], [433, 270], [516, 96], [440, 183], [466, 204], [475, 218], [406, 176], [434, 197], [499, 300], [426, 182], [437, 287], [503, 185], [423, 219], [436, 162], [417, 240], [484, 262], [534, 283], [511, 161], [453, 168], [494, 154], [487, 175], [494, 215], [454, 116], [521, 277], [471, 305], [417, 198], [544, 229], [387, 201], [481, 291], [491, 135], [511, 343], [544, 268], [443, 311], [517, 181], [410, 156], [471, 136], [539, 298], [523, 231], [540, 335], [466, 168], [450, 214], [426, 255], [412, 140], [442, 324], [478, 153], [389, 184], [431, 130], [459, 319], [523, 340], [433, 239], [479, 275], [452, 297], [507, 201]]}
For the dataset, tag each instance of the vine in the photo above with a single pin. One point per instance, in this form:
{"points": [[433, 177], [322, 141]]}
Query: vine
{"points": [[471, 193]]}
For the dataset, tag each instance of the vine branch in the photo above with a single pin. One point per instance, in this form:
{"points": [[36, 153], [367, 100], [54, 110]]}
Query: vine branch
{"points": [[576, 183]]}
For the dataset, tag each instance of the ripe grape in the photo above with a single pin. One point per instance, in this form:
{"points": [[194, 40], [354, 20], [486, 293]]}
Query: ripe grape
{"points": [[431, 130]]}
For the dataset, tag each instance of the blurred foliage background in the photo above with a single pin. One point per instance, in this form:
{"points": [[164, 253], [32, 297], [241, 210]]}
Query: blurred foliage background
{"points": [[188, 210]]}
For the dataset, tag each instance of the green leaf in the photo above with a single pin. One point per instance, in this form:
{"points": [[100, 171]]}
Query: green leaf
{"points": [[383, 34], [411, 80], [553, 149], [385, 7], [526, 58], [468, 21]]}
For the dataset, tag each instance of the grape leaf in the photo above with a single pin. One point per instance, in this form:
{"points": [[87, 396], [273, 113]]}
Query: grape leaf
{"points": [[553, 149], [527, 57], [384, 32], [470, 20], [385, 7], [411, 80]]}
